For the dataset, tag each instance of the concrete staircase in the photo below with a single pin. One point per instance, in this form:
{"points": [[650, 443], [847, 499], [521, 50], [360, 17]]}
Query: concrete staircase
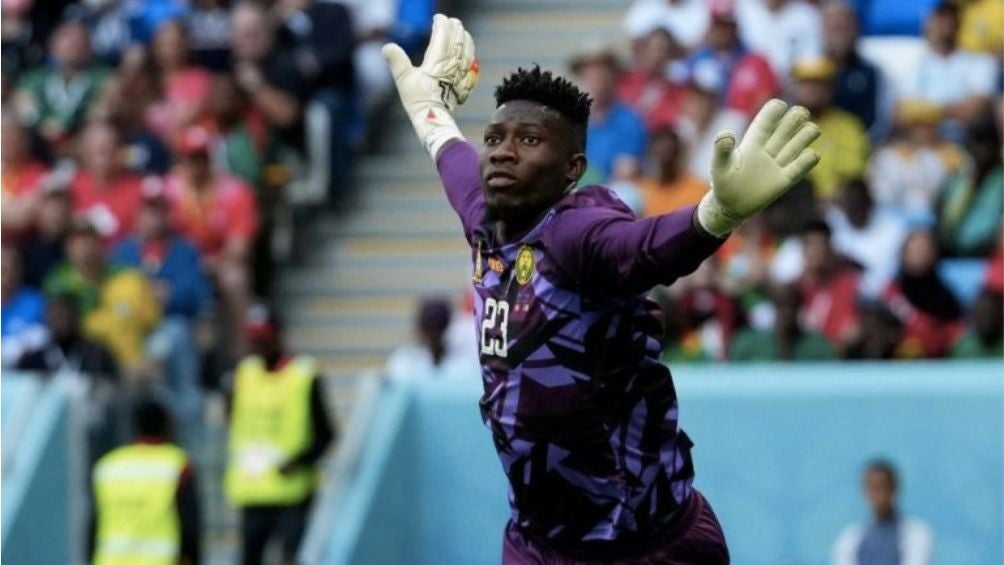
{"points": [[351, 298]]}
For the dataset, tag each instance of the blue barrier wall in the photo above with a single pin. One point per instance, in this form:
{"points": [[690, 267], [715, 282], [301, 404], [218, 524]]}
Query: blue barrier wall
{"points": [[37, 489], [779, 452]]}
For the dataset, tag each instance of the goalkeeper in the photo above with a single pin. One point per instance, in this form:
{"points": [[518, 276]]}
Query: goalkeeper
{"points": [[583, 415]]}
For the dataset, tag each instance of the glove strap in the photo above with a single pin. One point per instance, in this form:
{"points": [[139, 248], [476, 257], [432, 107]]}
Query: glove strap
{"points": [[435, 126], [715, 218]]}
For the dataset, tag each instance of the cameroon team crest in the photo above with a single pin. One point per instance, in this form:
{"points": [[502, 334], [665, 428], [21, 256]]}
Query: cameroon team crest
{"points": [[524, 264]]}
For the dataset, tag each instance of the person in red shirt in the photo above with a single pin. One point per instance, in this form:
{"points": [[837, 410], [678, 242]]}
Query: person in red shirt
{"points": [[21, 177], [103, 191], [219, 214], [646, 88], [829, 288], [931, 315], [185, 88]]}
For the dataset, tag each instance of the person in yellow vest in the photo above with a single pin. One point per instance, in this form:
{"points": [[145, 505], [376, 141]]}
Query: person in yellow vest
{"points": [[843, 144], [145, 500], [279, 429]]}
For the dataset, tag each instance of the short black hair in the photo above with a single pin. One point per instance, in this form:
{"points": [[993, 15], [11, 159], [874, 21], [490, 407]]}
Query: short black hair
{"points": [[151, 419], [545, 88], [886, 467], [817, 226]]}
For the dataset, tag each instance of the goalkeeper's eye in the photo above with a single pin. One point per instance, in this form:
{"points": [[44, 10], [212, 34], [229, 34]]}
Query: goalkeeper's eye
{"points": [[492, 139], [530, 140]]}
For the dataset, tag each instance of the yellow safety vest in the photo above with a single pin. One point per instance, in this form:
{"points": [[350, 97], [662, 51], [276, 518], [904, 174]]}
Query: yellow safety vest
{"points": [[269, 424], [135, 490]]}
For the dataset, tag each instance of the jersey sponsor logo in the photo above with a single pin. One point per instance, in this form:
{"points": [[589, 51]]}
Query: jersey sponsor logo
{"points": [[479, 268], [524, 264], [496, 264]]}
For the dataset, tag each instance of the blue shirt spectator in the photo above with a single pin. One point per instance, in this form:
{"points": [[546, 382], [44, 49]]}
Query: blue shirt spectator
{"points": [[22, 317], [170, 261], [621, 133], [859, 85]]}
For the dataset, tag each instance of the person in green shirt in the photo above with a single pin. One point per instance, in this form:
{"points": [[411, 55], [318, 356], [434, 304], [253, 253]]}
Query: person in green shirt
{"points": [[55, 99], [973, 201], [787, 340], [985, 337]]}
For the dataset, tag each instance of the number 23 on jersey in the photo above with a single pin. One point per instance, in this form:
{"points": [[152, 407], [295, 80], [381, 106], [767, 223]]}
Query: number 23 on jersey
{"points": [[496, 315]]}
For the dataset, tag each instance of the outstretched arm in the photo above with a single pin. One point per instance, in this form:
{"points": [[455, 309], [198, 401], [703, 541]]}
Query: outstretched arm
{"points": [[604, 247], [430, 93]]}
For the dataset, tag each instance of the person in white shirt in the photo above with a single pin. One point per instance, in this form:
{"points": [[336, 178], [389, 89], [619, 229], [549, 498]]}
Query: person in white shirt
{"points": [[702, 119], [961, 82], [435, 353], [870, 236], [889, 538], [686, 20], [784, 31]]}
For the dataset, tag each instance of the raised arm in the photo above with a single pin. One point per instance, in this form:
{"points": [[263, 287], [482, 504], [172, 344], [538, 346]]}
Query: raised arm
{"points": [[430, 93], [601, 245]]}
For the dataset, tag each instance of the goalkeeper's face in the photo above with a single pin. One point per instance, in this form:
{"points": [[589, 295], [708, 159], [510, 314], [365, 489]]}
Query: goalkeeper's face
{"points": [[530, 159]]}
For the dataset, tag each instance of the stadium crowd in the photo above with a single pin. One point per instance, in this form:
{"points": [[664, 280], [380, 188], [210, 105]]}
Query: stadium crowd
{"points": [[156, 155], [891, 248]]}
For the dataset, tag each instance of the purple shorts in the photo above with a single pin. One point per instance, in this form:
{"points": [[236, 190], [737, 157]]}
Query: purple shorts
{"points": [[696, 539]]}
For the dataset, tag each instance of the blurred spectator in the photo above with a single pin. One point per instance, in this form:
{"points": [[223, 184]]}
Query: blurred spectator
{"points": [[68, 349], [103, 191], [702, 120], [23, 316], [786, 220], [959, 81], [870, 236], [930, 313], [681, 344], [250, 149], [784, 31], [981, 27], [615, 140], [985, 338], [111, 28], [68, 352], [145, 497], [268, 75], [787, 341], [710, 315], [118, 305], [973, 201], [829, 288], [185, 298], [22, 177], [909, 172], [746, 77], [878, 334], [671, 186], [55, 99], [889, 537], [124, 103], [843, 145], [272, 471], [433, 355], [861, 88], [46, 248], [646, 87], [184, 87], [686, 20], [208, 24], [218, 213]]}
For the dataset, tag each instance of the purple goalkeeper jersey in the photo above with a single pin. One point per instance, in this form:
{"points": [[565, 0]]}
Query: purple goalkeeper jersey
{"points": [[582, 413]]}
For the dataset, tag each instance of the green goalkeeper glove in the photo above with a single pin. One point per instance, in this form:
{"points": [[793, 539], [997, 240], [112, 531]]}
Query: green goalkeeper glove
{"points": [[432, 91], [772, 156]]}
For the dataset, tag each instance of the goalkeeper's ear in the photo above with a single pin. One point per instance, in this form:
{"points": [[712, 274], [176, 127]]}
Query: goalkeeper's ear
{"points": [[397, 59]]}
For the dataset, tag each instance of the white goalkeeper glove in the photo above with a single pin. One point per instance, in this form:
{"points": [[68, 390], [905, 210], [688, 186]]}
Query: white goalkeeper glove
{"points": [[432, 91], [772, 156]]}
